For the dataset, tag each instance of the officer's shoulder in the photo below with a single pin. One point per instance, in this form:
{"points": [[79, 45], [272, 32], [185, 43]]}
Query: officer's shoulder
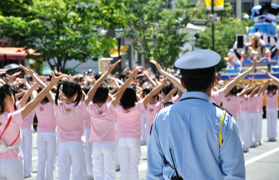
{"points": [[222, 109]]}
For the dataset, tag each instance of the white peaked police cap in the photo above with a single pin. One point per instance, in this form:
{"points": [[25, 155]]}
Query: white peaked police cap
{"points": [[198, 59]]}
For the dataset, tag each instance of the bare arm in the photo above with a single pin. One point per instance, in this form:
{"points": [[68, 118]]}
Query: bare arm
{"points": [[18, 95], [271, 76], [232, 83], [170, 94], [50, 96], [150, 80], [254, 91], [97, 84], [169, 76], [31, 105], [120, 92], [26, 96], [148, 97]]}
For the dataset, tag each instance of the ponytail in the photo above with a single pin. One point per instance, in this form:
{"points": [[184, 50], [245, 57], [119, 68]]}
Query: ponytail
{"points": [[69, 88]]}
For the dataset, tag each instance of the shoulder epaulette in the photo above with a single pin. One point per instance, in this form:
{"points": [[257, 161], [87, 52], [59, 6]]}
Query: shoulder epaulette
{"points": [[222, 108]]}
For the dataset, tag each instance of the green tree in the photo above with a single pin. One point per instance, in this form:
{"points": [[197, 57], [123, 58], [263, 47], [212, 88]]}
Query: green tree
{"points": [[157, 31], [63, 30], [224, 32]]}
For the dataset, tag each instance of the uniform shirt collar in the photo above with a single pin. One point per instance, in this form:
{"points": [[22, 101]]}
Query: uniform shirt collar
{"points": [[195, 94]]}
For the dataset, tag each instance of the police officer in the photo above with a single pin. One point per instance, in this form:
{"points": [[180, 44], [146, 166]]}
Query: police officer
{"points": [[194, 139]]}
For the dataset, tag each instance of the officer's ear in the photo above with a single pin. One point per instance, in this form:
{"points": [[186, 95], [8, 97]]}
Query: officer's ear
{"points": [[212, 82], [182, 82]]}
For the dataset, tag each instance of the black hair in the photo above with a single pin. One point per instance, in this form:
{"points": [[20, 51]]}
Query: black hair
{"points": [[128, 98], [69, 88], [166, 89], [198, 79], [271, 88], [101, 94], [86, 89], [45, 100], [233, 91], [6, 90]]}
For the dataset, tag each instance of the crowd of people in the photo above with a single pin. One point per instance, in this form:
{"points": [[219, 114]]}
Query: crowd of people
{"points": [[95, 125]]}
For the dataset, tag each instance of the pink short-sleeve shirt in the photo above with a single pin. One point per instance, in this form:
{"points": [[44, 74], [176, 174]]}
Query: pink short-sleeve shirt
{"points": [[217, 96], [46, 118], [271, 100], [11, 134], [70, 121], [176, 99], [260, 104], [27, 122], [244, 103], [151, 111], [102, 122], [252, 108], [231, 103], [129, 121]]}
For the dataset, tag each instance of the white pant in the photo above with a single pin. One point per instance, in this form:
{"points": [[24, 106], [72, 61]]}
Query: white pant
{"points": [[88, 154], [46, 142], [271, 116], [253, 117], [104, 161], [71, 154], [239, 125], [115, 146], [259, 131], [244, 126], [129, 157], [11, 169], [143, 127], [26, 147]]}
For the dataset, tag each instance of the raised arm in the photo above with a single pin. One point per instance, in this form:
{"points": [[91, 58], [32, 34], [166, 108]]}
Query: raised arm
{"points": [[50, 96], [169, 76], [228, 87], [12, 77], [263, 88], [149, 79], [256, 88], [26, 96], [148, 97], [97, 84], [120, 92], [271, 76], [170, 94], [32, 104]]}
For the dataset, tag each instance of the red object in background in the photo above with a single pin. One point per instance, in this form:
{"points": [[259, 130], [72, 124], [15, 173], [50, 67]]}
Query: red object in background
{"points": [[14, 53]]}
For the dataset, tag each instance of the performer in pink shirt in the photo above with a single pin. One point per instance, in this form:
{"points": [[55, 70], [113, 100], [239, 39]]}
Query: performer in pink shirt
{"points": [[46, 137], [88, 144], [218, 96], [259, 107], [27, 131], [231, 103], [11, 158], [154, 106], [129, 129], [246, 127], [271, 112], [271, 109], [252, 121]]}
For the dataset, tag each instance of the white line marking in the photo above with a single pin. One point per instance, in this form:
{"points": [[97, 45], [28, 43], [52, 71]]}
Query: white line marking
{"points": [[250, 161], [143, 166]]}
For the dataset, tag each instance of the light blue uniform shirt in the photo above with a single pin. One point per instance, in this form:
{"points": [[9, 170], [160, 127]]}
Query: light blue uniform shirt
{"points": [[190, 128]]}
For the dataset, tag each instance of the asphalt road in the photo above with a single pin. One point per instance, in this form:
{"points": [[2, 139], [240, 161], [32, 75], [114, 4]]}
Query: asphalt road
{"points": [[262, 163]]}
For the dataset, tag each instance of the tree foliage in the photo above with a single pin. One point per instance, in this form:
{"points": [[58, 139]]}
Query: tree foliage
{"points": [[63, 30], [156, 31]]}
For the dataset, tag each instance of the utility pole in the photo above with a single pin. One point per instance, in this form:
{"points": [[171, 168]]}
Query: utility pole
{"points": [[212, 12]]}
